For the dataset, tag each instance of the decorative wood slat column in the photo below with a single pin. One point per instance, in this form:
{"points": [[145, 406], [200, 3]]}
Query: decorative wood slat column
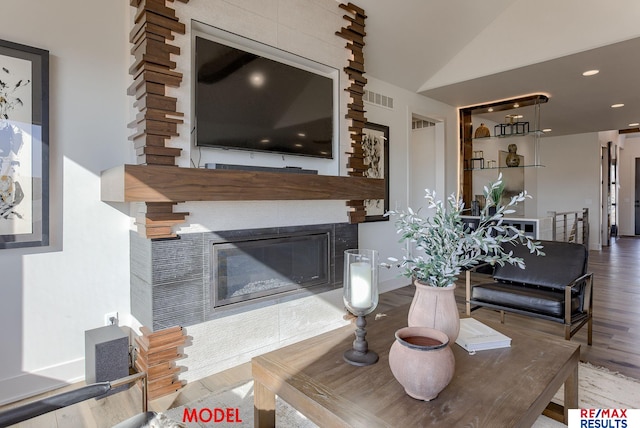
{"points": [[354, 34], [157, 121]]}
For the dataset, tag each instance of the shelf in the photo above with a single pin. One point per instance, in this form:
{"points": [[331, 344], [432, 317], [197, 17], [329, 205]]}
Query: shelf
{"points": [[156, 183], [500, 137], [505, 167]]}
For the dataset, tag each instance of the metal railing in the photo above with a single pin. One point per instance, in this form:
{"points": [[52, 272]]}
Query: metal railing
{"points": [[570, 226]]}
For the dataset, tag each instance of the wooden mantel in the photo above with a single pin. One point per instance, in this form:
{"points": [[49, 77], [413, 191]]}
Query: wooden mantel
{"points": [[158, 183]]}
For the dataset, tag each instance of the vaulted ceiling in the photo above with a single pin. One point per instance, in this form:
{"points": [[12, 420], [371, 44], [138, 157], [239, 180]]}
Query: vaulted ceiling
{"points": [[465, 52]]}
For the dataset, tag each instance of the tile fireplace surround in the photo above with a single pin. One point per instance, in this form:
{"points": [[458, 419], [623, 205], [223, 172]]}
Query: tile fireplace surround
{"points": [[172, 280]]}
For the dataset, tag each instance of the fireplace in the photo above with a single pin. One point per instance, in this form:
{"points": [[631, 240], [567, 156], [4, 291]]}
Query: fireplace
{"points": [[258, 268], [205, 276]]}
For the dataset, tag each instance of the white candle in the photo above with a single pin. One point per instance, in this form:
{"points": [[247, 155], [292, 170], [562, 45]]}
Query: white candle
{"points": [[361, 285]]}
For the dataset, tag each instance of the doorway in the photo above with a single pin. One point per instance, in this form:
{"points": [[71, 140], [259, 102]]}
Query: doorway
{"points": [[422, 155]]}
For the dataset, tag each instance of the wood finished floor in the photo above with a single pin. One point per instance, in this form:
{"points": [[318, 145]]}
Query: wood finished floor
{"points": [[616, 334]]}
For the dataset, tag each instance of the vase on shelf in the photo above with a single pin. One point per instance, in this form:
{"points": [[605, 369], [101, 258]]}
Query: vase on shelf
{"points": [[512, 158], [435, 307], [422, 361]]}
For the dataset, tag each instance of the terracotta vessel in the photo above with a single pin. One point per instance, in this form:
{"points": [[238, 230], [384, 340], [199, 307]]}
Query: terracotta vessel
{"points": [[422, 361], [435, 307]]}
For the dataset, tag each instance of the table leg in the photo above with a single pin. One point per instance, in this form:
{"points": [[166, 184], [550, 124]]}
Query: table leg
{"points": [[264, 406], [571, 393]]}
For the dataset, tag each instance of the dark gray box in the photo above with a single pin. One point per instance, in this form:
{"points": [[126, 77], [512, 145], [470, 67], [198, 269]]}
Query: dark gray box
{"points": [[106, 355]]}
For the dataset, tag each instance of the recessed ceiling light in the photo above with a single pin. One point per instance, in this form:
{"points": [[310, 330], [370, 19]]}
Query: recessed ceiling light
{"points": [[617, 105], [490, 109], [547, 130], [516, 105], [591, 72], [634, 124]]}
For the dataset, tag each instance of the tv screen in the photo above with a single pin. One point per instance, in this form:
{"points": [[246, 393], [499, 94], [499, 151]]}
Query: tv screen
{"points": [[249, 102]]}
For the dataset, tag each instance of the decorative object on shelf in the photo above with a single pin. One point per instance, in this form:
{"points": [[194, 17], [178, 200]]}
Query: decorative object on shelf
{"points": [[24, 146], [477, 163], [360, 296], [513, 178], [422, 361], [375, 145], [482, 132], [444, 246], [512, 158], [503, 129], [521, 128], [491, 164]]}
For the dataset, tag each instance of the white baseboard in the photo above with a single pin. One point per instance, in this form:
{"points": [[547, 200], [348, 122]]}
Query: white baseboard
{"points": [[27, 385]]}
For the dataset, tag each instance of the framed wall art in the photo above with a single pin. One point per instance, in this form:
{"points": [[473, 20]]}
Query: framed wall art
{"points": [[24, 146], [375, 144]]}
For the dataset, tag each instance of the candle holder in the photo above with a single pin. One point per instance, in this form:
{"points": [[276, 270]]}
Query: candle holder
{"points": [[361, 298]]}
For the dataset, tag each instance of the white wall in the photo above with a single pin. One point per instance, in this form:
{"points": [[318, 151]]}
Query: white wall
{"points": [[382, 235], [570, 180], [50, 296]]}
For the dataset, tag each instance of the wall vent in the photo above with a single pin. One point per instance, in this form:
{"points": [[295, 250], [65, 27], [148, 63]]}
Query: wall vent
{"points": [[420, 123], [378, 99]]}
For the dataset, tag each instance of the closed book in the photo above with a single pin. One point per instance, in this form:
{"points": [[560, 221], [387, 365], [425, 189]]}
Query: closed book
{"points": [[476, 336]]}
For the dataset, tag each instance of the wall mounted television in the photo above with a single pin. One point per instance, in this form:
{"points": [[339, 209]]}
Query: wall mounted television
{"points": [[250, 96]]}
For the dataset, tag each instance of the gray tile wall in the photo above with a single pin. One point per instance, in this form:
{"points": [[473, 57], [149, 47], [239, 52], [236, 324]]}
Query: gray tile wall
{"points": [[170, 279]]}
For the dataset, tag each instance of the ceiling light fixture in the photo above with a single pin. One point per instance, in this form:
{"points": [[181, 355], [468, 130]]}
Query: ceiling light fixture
{"points": [[617, 105], [634, 124], [516, 105], [591, 72], [547, 130]]}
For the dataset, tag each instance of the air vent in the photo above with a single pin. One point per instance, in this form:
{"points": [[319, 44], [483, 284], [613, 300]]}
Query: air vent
{"points": [[378, 99], [419, 123]]}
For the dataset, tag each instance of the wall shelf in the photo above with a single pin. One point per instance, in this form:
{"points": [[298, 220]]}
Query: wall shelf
{"points": [[157, 183]]}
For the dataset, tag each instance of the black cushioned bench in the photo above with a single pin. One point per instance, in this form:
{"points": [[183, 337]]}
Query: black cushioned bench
{"points": [[554, 287]]}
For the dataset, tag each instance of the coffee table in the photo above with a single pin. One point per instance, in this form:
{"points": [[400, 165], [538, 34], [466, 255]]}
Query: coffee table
{"points": [[494, 388]]}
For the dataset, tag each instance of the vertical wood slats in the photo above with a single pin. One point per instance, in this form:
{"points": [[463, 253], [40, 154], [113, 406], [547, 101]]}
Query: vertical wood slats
{"points": [[354, 33], [157, 121]]}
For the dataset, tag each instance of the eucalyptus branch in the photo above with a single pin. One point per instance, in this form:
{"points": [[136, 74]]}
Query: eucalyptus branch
{"points": [[445, 246]]}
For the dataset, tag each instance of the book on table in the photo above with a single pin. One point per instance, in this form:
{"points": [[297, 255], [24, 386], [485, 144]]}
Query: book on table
{"points": [[476, 336]]}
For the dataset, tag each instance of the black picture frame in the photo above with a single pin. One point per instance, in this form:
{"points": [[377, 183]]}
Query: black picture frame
{"points": [[375, 144], [24, 146]]}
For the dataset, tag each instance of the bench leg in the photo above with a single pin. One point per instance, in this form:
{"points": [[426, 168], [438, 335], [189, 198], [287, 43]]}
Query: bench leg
{"points": [[501, 317]]}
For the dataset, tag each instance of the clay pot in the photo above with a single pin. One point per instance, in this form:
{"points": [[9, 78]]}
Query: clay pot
{"points": [[435, 307], [422, 361]]}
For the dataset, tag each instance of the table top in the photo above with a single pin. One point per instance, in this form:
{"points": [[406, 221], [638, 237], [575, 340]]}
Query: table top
{"points": [[498, 387]]}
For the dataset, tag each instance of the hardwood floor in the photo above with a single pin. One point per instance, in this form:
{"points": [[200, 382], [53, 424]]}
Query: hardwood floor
{"points": [[616, 334]]}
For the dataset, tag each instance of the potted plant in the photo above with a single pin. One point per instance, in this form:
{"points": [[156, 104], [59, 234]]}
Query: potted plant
{"points": [[445, 246]]}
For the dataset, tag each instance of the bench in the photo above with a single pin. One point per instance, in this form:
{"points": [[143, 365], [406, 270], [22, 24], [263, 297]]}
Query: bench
{"points": [[554, 287]]}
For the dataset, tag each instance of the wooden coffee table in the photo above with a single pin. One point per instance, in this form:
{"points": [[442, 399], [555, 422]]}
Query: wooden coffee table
{"points": [[495, 388]]}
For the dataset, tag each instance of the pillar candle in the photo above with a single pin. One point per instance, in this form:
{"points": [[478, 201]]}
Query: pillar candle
{"points": [[360, 285]]}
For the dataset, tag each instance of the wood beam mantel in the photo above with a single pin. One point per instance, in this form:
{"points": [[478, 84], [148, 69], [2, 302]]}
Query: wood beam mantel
{"points": [[158, 183]]}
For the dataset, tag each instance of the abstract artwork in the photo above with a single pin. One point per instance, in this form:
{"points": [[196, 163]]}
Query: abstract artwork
{"points": [[24, 146], [375, 144]]}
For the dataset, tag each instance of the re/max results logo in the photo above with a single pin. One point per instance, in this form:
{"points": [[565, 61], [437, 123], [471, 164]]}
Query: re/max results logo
{"points": [[604, 418]]}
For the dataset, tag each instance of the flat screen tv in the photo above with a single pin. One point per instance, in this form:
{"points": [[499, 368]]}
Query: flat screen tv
{"points": [[249, 100]]}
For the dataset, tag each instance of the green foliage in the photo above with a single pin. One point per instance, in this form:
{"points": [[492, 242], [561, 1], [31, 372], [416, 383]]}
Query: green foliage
{"points": [[445, 246]]}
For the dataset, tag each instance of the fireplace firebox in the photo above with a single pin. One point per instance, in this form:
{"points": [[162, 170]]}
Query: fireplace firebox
{"points": [[255, 269]]}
